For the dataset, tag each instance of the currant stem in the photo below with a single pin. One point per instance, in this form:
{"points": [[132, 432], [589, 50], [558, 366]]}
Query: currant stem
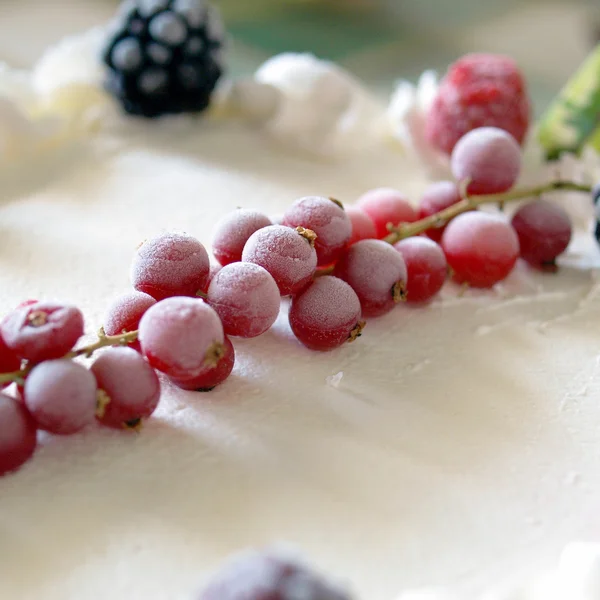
{"points": [[87, 351], [103, 341], [404, 230]]}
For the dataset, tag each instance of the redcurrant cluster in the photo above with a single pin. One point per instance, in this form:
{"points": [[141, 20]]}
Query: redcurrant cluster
{"points": [[338, 266]]}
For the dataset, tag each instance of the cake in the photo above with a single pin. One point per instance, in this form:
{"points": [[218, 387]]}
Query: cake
{"points": [[451, 447]]}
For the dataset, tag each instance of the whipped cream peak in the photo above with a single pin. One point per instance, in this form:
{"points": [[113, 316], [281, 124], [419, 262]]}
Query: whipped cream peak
{"points": [[406, 115], [323, 108]]}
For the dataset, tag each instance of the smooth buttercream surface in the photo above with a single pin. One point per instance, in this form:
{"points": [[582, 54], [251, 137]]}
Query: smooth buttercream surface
{"points": [[450, 445]]}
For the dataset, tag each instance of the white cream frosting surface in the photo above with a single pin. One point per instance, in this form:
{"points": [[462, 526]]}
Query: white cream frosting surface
{"points": [[451, 446]]}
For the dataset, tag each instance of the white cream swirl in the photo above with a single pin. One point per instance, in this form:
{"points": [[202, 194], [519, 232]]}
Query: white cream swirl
{"points": [[54, 103]]}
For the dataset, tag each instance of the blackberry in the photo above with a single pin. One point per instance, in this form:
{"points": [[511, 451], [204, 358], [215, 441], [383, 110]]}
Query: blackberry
{"points": [[596, 201], [268, 575], [165, 56]]}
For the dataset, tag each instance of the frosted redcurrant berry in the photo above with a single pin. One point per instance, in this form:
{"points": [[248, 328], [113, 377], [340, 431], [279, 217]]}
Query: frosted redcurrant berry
{"points": [[128, 388], [426, 268], [377, 273], [489, 158], [125, 312], [246, 299], [9, 361], [18, 434], [232, 232], [171, 264], [544, 231], [61, 396], [328, 219], [481, 248], [287, 254], [437, 197], [363, 227], [386, 206], [182, 337], [209, 380], [42, 331], [269, 575], [326, 314]]}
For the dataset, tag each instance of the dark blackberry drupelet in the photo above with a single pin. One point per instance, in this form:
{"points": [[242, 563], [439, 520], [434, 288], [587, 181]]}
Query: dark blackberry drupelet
{"points": [[165, 56], [596, 201]]}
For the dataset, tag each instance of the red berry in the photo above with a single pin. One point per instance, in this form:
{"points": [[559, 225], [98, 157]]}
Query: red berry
{"points": [[363, 227], [18, 437], [544, 231], [211, 379], [27, 303], [426, 268], [479, 90], [232, 233], [386, 206], [124, 314], [326, 314], [9, 361], [214, 269], [61, 396], [42, 331], [287, 254], [481, 248], [327, 219], [268, 575], [182, 337], [437, 197], [170, 264], [246, 299], [489, 157], [377, 273], [128, 388]]}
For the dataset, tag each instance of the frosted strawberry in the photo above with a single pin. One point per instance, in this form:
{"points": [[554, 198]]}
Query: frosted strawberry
{"points": [[479, 90]]}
